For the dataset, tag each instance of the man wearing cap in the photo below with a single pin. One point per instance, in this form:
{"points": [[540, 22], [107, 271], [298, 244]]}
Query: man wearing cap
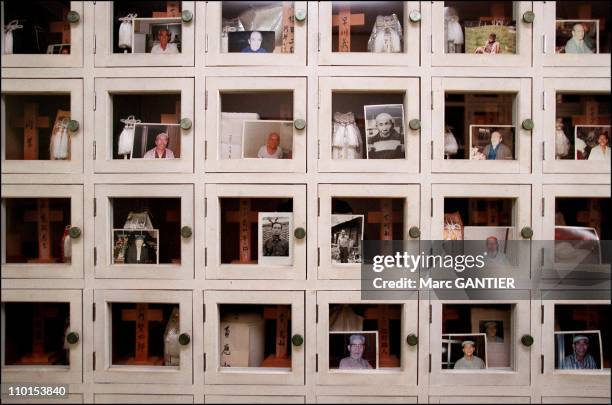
{"points": [[276, 246], [469, 361], [580, 359], [356, 348], [491, 331], [160, 150]]}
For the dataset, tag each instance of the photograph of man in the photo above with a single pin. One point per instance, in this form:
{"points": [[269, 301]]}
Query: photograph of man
{"points": [[344, 245], [469, 361], [276, 245], [380, 145], [601, 151], [272, 148], [491, 47], [160, 151], [577, 43], [255, 40], [580, 359], [497, 150], [138, 252], [494, 256], [491, 329], [164, 46], [355, 360]]}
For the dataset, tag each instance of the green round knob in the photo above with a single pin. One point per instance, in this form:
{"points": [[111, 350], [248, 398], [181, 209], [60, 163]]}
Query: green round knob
{"points": [[412, 339], [415, 15], [527, 340], [414, 124], [529, 16], [73, 125], [74, 232], [300, 15], [186, 232], [527, 232], [297, 340], [414, 232], [73, 17], [186, 15], [72, 338], [299, 233], [184, 339], [299, 123], [528, 124], [185, 123]]}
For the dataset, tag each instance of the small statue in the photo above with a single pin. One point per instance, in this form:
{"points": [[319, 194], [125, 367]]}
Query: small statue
{"points": [[386, 35], [562, 143], [172, 348]]}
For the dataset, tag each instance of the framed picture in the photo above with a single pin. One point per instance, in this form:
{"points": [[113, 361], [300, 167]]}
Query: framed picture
{"points": [[453, 352], [492, 142], [578, 350], [493, 329], [586, 141], [577, 245], [384, 126], [149, 141], [492, 35], [577, 36], [346, 237], [267, 139], [353, 350], [135, 246], [146, 34], [251, 41], [275, 238], [494, 242]]}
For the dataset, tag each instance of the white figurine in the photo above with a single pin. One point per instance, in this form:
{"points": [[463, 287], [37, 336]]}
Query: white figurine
{"points": [[386, 35], [453, 33], [450, 142], [562, 143], [346, 137]]}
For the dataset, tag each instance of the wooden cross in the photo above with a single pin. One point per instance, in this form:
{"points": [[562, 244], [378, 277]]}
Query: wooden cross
{"points": [[44, 216], [282, 315], [31, 122], [38, 354], [386, 218], [245, 218], [591, 115], [287, 35], [142, 315], [383, 314], [344, 21]]}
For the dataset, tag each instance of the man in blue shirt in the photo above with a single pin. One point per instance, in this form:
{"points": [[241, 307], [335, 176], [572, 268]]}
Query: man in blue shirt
{"points": [[255, 40]]}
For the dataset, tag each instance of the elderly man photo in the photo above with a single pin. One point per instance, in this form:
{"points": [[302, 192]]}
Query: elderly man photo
{"points": [[164, 46], [577, 43], [355, 360], [344, 245], [272, 148], [469, 361], [580, 358], [497, 150], [160, 151], [491, 331]]}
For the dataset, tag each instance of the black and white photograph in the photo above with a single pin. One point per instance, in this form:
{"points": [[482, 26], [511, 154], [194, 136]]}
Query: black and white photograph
{"points": [[346, 237], [592, 142], [493, 328], [251, 41], [464, 351], [578, 350], [275, 238], [384, 127], [156, 141], [353, 350], [135, 246], [492, 142], [267, 139], [577, 36]]}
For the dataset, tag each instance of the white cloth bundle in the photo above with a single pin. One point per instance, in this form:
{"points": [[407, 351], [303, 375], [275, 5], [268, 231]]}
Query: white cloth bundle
{"points": [[346, 137], [450, 143], [386, 35], [562, 143], [126, 138], [125, 31], [8, 35], [60, 141], [452, 30]]}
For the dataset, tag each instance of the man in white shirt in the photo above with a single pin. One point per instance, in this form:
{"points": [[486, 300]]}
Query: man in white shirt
{"points": [[272, 149], [601, 151], [164, 46], [160, 151]]}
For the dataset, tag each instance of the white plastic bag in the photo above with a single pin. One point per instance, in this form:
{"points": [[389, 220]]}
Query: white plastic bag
{"points": [[8, 35], [125, 31], [126, 138], [450, 143]]}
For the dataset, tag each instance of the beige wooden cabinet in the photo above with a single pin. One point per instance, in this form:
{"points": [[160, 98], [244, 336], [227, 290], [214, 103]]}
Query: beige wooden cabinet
{"points": [[139, 399], [106, 371], [72, 372], [254, 399], [12, 89], [70, 213], [73, 59], [350, 94]]}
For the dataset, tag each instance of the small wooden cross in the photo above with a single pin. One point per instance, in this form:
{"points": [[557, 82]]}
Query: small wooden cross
{"points": [[386, 218], [344, 21], [44, 216], [282, 315], [245, 218], [287, 35], [38, 354], [142, 315], [383, 314], [31, 122]]}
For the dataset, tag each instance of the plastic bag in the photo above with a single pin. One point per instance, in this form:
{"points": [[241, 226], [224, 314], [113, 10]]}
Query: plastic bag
{"points": [[125, 31], [8, 35], [60, 141], [126, 138]]}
